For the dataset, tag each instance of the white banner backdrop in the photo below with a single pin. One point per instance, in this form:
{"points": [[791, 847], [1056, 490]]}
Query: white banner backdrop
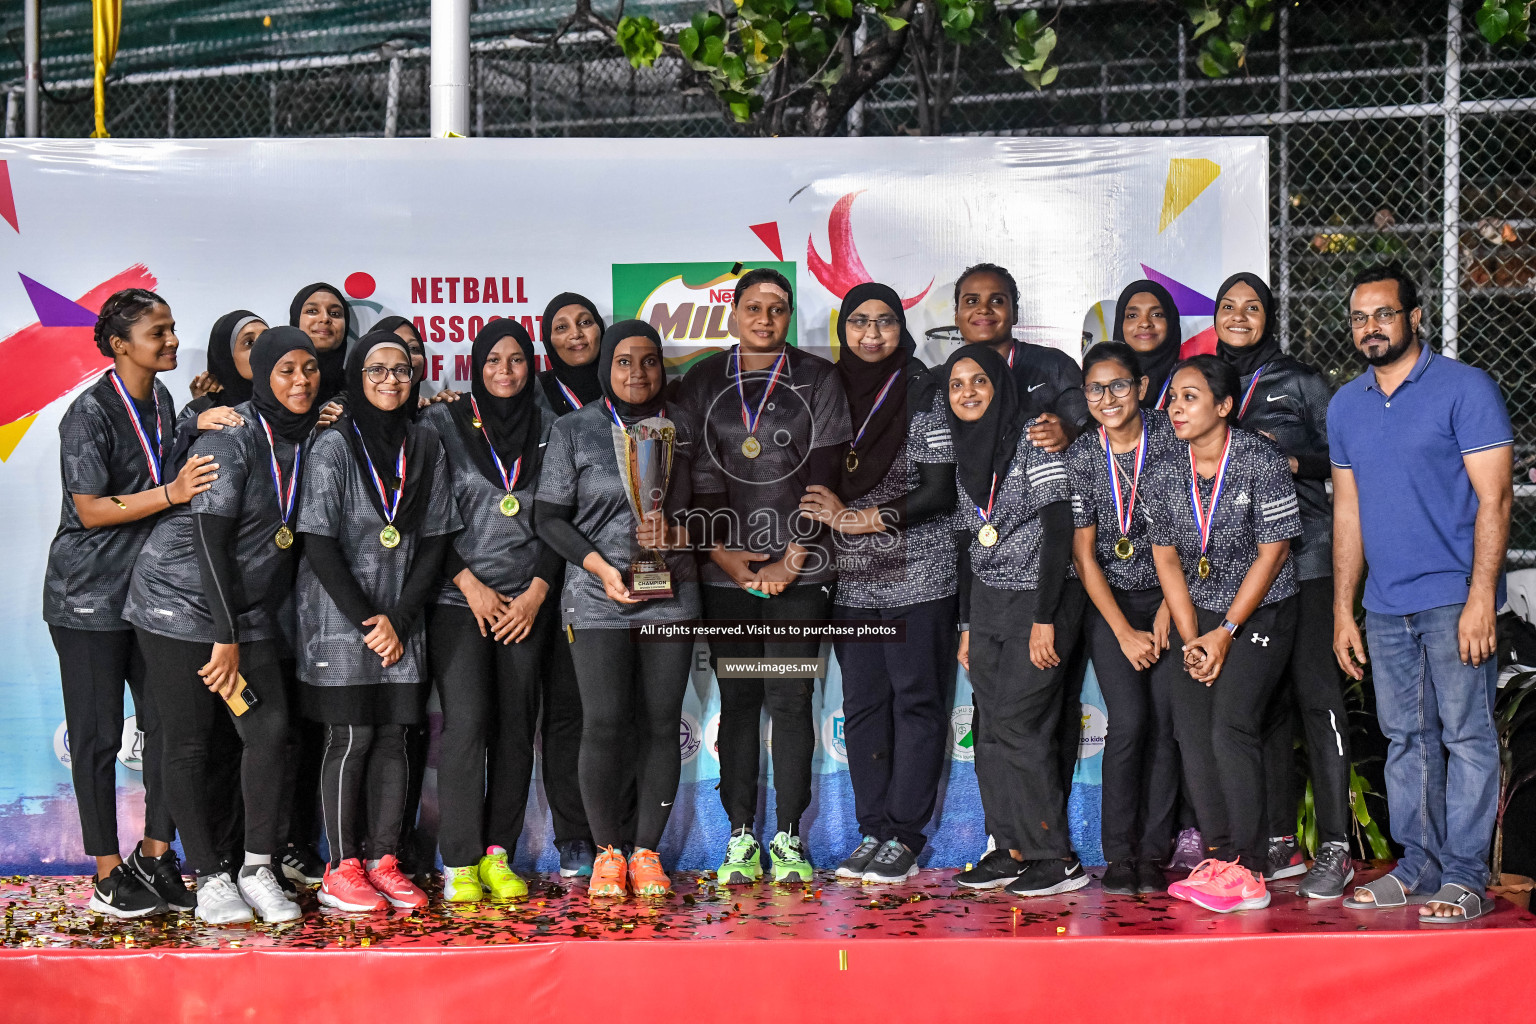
{"points": [[454, 233]]}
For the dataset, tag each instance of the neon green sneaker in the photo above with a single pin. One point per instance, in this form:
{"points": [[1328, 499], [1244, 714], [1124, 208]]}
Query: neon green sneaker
{"points": [[501, 881], [743, 863], [461, 885], [790, 864]]}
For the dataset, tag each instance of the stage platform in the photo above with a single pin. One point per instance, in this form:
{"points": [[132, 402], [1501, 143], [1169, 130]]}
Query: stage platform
{"points": [[834, 951]]}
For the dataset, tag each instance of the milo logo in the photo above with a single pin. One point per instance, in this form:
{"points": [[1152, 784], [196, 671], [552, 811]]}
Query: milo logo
{"points": [[689, 304]]}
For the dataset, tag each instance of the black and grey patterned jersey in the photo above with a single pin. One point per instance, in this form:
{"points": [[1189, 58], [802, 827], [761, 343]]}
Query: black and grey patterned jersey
{"points": [[499, 549], [1035, 479], [86, 582], [581, 471], [1257, 506], [168, 596], [901, 567], [1093, 503], [806, 410], [334, 503]]}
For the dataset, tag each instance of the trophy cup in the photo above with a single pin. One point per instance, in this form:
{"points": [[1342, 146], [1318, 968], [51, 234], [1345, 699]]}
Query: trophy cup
{"points": [[647, 471]]}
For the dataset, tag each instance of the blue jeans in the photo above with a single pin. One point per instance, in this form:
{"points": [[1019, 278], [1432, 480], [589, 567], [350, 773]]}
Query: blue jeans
{"points": [[1442, 767]]}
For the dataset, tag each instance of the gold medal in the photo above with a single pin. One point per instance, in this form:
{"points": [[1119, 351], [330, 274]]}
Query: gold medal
{"points": [[476, 423], [284, 537], [1203, 567], [987, 535], [1124, 548], [852, 461], [389, 536], [510, 505], [751, 447]]}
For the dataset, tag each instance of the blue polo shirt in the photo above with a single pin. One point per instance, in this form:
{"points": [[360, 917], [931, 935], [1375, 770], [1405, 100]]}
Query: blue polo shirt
{"points": [[1417, 505]]}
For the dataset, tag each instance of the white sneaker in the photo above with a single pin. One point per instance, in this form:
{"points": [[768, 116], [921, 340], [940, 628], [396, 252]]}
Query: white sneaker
{"points": [[266, 897], [219, 902]]}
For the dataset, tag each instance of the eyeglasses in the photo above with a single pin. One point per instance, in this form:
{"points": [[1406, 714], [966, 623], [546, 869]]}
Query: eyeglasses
{"points": [[379, 373], [1119, 388], [1382, 316], [882, 323]]}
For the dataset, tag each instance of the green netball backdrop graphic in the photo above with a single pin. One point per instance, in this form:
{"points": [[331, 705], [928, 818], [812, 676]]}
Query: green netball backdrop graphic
{"points": [[689, 304]]}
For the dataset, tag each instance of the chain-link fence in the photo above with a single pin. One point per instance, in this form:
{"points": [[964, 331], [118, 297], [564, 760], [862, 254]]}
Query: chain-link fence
{"points": [[1396, 132]]}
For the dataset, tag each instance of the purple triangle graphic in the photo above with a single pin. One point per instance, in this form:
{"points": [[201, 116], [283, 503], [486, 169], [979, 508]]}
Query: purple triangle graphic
{"points": [[1189, 301], [53, 309]]}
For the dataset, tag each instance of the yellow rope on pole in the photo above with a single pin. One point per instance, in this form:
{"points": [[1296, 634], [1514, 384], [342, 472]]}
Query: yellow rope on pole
{"points": [[106, 24]]}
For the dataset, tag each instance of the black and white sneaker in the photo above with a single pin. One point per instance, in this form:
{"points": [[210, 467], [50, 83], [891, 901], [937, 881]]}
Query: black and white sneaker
{"points": [[163, 875], [1283, 859], [1049, 877], [894, 863], [854, 865], [1331, 873], [302, 864], [1150, 877], [996, 870], [1120, 878], [122, 895]]}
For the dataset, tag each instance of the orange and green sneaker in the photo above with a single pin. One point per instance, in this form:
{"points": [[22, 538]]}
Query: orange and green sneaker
{"points": [[646, 878], [608, 874]]}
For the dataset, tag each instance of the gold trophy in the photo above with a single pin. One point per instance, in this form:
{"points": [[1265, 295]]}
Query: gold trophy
{"points": [[647, 465]]}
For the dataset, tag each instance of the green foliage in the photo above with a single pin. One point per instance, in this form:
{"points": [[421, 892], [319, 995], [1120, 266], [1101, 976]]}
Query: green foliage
{"points": [[1027, 45], [1505, 21], [1227, 29], [640, 40]]}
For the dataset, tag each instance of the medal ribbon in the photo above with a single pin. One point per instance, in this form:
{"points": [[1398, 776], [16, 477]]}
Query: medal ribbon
{"points": [[1204, 518], [284, 500], [879, 401], [749, 418], [1162, 396], [151, 455], [570, 396], [986, 517], [1124, 507], [517, 467], [1011, 349], [1248, 395], [378, 481]]}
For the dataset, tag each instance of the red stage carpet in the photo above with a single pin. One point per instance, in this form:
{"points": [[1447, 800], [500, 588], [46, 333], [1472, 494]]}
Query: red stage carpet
{"points": [[838, 952]]}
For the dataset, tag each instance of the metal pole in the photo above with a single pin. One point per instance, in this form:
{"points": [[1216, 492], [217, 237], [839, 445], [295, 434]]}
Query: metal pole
{"points": [[450, 67], [1184, 73], [31, 61], [12, 111], [1285, 184], [392, 99], [1450, 238]]}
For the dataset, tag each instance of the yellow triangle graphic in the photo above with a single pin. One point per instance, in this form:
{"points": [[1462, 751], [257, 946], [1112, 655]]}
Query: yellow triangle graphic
{"points": [[11, 435], [1186, 180]]}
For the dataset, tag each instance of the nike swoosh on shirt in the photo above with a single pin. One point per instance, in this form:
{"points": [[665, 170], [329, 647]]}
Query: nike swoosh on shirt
{"points": [[1273, 398], [1034, 387]]}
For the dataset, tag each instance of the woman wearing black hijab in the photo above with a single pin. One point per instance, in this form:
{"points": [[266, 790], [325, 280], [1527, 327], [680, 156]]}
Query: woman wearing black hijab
{"points": [[225, 384], [896, 562], [573, 333], [1014, 518], [219, 578], [1287, 401], [584, 514], [490, 623], [321, 311], [377, 519], [1147, 319], [421, 388]]}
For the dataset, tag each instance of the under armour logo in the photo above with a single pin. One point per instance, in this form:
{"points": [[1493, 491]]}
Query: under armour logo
{"points": [[1262, 641]]}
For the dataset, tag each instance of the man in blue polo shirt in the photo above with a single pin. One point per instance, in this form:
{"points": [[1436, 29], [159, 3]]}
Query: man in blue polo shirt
{"points": [[1422, 486]]}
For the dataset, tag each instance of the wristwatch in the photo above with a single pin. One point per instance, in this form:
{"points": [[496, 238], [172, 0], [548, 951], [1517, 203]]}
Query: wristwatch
{"points": [[1230, 626]]}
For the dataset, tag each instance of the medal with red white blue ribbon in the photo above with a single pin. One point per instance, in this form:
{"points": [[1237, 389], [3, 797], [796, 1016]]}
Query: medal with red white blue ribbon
{"points": [[1204, 517], [752, 447], [1125, 506], [852, 461], [151, 454], [570, 396], [389, 536], [508, 504], [284, 536], [988, 533], [1248, 395]]}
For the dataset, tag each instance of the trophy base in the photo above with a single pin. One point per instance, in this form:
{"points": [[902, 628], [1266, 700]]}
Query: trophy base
{"points": [[650, 582]]}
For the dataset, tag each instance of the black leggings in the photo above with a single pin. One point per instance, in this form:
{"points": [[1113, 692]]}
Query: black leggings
{"points": [[192, 718], [1072, 648], [896, 719], [629, 687], [359, 756], [490, 697], [1219, 729], [1141, 759], [93, 665], [788, 702], [1313, 689], [560, 740]]}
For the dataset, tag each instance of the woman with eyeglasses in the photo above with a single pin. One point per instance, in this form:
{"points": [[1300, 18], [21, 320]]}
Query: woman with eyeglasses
{"points": [[1222, 512], [1286, 400], [1128, 623], [377, 519], [895, 563]]}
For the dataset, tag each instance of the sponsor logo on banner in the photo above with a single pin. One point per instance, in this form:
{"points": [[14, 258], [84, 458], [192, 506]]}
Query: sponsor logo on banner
{"points": [[1095, 727], [962, 742], [833, 738], [689, 304], [690, 737], [130, 753]]}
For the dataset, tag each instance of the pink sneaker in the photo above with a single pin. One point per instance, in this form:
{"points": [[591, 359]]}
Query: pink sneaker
{"points": [[345, 887], [394, 886], [1203, 872], [1231, 887]]}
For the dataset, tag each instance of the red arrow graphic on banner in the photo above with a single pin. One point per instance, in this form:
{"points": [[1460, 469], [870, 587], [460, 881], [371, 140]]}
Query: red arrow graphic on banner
{"points": [[845, 269]]}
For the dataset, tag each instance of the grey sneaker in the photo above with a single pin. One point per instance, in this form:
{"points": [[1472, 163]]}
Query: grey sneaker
{"points": [[258, 887], [894, 863], [1188, 851], [1331, 873], [219, 902], [857, 861]]}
